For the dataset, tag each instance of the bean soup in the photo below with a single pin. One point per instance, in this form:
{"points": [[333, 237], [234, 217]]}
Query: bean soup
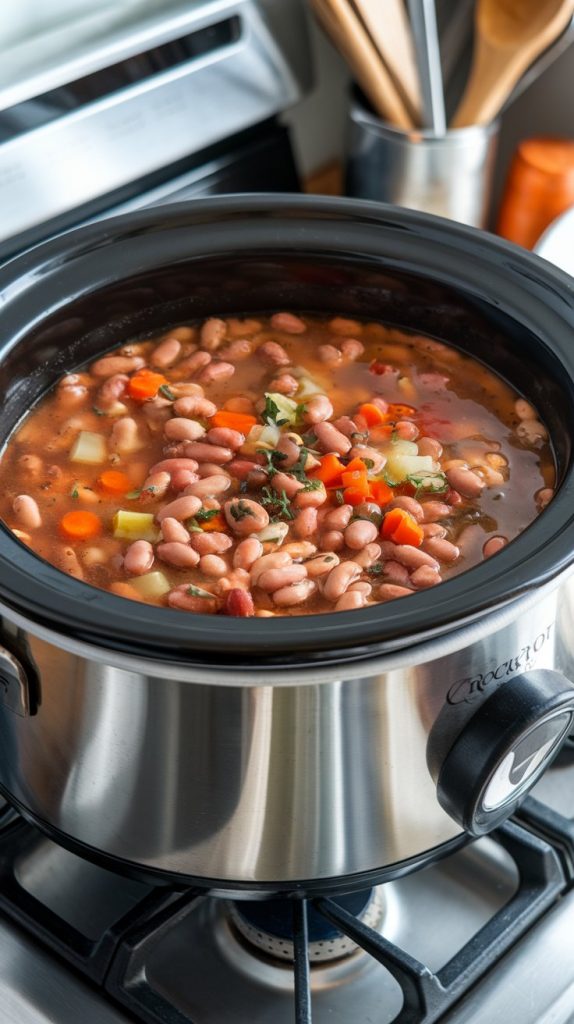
{"points": [[282, 465]]}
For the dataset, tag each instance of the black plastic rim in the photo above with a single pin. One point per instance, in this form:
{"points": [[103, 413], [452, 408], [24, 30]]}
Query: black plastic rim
{"points": [[496, 273]]}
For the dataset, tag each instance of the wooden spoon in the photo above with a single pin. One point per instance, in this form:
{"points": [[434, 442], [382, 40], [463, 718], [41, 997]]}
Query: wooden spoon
{"points": [[510, 35], [388, 26], [349, 36]]}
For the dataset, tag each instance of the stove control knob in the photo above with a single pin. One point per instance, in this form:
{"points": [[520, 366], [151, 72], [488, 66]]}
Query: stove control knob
{"points": [[503, 749]]}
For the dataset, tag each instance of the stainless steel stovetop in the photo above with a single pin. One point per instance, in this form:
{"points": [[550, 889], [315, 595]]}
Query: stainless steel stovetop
{"points": [[481, 936]]}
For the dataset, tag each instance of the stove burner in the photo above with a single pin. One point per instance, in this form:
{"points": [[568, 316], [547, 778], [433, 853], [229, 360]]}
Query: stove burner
{"points": [[268, 925]]}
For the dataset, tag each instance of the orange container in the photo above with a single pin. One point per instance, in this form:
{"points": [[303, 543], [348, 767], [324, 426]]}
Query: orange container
{"points": [[540, 186]]}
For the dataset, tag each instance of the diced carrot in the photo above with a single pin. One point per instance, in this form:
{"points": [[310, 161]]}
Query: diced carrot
{"points": [[357, 481], [80, 525], [381, 433], [145, 384], [329, 471], [354, 496], [400, 527], [215, 523], [240, 421], [397, 411], [113, 481], [381, 493], [356, 466], [372, 414]]}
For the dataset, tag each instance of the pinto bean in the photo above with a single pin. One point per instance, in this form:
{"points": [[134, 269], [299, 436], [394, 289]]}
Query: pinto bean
{"points": [[410, 505], [444, 550], [289, 323], [139, 558], [239, 603], [212, 334], [166, 352], [273, 354], [465, 481], [27, 512], [435, 510], [194, 364], [368, 556], [305, 524], [352, 348], [285, 384], [297, 593], [181, 479], [247, 552], [531, 431], [284, 482], [172, 530], [182, 429], [310, 499], [351, 600], [396, 573], [237, 351], [359, 534], [195, 405], [111, 391], [424, 576], [125, 436], [181, 597], [317, 409], [406, 430], [338, 518], [544, 497], [213, 565], [390, 591], [289, 449], [211, 469], [210, 542], [346, 425], [240, 468], [434, 530], [493, 545], [330, 355], [209, 486], [181, 508], [173, 465], [204, 452], [154, 487], [344, 326], [182, 556], [245, 516], [361, 587], [524, 410], [274, 579], [340, 578], [216, 373], [331, 540], [409, 556], [276, 560], [429, 446], [300, 549], [362, 451], [330, 439], [110, 365], [226, 437], [320, 565]]}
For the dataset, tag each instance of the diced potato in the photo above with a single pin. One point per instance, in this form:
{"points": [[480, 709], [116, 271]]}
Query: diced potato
{"points": [[89, 448], [269, 436], [400, 466], [130, 525], [286, 406], [152, 584]]}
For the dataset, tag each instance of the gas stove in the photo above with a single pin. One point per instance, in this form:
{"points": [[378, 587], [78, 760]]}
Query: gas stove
{"points": [[479, 936]]}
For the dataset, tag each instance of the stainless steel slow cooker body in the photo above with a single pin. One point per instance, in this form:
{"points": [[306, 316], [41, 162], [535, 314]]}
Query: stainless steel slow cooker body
{"points": [[311, 752]]}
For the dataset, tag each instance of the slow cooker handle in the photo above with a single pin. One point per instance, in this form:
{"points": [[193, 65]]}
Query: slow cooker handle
{"points": [[503, 748]]}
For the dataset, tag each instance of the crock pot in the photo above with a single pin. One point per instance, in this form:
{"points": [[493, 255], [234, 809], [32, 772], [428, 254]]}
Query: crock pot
{"points": [[309, 752]]}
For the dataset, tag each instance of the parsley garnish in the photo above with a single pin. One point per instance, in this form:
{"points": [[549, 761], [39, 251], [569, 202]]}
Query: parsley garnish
{"points": [[272, 412], [277, 503], [74, 493], [240, 510], [376, 569], [339, 497], [433, 483], [298, 468], [273, 456], [312, 485], [198, 592], [166, 392], [369, 463], [132, 495], [98, 412], [205, 514], [300, 410]]}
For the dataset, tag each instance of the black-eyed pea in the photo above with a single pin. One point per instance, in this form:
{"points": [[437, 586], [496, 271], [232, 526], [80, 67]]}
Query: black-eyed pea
{"points": [[390, 591], [139, 558], [331, 540], [312, 498], [296, 593], [368, 556], [340, 578], [213, 565], [360, 533], [274, 579], [289, 323], [247, 552], [441, 549], [424, 577], [212, 334], [27, 513], [493, 546], [166, 353], [182, 556]]}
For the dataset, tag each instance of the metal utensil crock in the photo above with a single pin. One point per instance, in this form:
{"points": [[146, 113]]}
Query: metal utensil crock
{"points": [[306, 752]]}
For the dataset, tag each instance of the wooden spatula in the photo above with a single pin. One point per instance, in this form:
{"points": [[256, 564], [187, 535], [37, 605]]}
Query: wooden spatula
{"points": [[388, 26], [510, 35]]}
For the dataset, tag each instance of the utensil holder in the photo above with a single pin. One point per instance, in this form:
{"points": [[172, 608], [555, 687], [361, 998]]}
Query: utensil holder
{"points": [[449, 175]]}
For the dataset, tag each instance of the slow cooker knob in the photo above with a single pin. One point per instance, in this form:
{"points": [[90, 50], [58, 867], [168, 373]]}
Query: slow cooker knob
{"points": [[504, 748]]}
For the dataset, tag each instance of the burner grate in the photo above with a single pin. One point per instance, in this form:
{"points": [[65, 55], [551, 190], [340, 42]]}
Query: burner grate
{"points": [[426, 994]]}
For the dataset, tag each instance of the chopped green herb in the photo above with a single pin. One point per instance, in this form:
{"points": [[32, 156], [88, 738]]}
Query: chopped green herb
{"points": [[328, 558], [310, 439], [166, 392], [429, 483], [298, 468], [358, 436], [74, 493], [312, 485], [205, 514], [132, 495], [369, 463], [243, 487], [240, 511], [276, 504], [272, 412], [192, 526], [300, 410], [339, 497], [273, 456], [98, 412], [198, 592], [376, 569]]}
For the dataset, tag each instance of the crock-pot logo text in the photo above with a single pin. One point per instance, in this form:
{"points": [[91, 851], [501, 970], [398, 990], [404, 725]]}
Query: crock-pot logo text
{"points": [[470, 688]]}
